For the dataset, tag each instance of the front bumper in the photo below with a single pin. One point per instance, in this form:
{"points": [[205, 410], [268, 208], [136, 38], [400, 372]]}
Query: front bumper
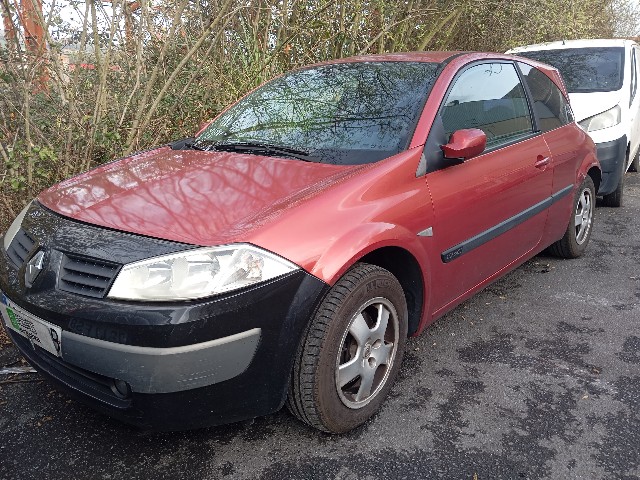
{"points": [[612, 156], [187, 364]]}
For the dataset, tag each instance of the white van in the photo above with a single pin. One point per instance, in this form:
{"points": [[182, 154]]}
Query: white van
{"points": [[602, 80]]}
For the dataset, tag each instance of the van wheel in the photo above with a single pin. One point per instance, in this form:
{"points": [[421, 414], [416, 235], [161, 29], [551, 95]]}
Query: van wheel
{"points": [[351, 352], [576, 237]]}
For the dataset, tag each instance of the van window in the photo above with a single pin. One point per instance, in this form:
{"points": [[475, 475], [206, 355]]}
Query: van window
{"points": [[585, 69]]}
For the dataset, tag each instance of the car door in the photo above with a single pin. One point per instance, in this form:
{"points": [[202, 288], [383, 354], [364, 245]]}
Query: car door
{"points": [[554, 119], [490, 209]]}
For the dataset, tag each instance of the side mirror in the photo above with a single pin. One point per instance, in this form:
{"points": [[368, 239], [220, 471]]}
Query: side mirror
{"points": [[465, 144]]}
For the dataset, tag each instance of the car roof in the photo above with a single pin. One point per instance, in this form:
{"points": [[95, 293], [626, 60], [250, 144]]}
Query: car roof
{"points": [[564, 44], [458, 57], [426, 57]]}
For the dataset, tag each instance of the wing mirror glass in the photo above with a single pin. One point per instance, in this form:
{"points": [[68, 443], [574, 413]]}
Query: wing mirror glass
{"points": [[465, 144]]}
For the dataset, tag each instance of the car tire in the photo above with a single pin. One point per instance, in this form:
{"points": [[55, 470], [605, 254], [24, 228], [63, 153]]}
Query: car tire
{"points": [[635, 163], [351, 352], [576, 237]]}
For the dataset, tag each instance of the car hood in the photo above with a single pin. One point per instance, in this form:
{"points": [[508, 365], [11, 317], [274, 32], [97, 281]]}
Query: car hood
{"points": [[587, 105], [200, 198]]}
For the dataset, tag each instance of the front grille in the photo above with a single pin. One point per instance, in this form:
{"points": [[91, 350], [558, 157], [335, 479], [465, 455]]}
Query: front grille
{"points": [[20, 247], [86, 276]]}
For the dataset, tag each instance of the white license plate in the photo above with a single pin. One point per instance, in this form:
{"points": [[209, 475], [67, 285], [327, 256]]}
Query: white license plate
{"points": [[36, 330]]}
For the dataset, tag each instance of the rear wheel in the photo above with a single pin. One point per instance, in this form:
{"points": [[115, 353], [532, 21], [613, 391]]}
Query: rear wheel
{"points": [[352, 351], [576, 237]]}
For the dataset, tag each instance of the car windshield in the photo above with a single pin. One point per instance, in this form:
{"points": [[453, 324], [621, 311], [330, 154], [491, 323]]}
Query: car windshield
{"points": [[344, 114], [585, 69]]}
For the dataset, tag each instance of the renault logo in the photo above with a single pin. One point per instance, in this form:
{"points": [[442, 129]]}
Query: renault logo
{"points": [[34, 267]]}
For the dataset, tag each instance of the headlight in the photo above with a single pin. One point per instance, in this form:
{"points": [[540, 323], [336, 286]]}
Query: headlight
{"points": [[15, 226], [603, 120], [198, 273]]}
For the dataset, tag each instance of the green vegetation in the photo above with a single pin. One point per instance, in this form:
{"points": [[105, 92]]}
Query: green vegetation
{"points": [[163, 68]]}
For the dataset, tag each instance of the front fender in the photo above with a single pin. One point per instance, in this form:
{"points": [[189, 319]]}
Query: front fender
{"points": [[346, 250]]}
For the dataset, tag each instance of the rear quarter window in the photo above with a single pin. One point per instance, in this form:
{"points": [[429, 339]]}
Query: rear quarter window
{"points": [[550, 106]]}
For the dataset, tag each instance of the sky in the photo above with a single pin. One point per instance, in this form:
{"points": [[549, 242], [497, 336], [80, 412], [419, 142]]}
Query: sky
{"points": [[70, 12]]}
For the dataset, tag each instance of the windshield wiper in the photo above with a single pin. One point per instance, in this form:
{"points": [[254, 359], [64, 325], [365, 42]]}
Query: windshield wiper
{"points": [[260, 149], [186, 144]]}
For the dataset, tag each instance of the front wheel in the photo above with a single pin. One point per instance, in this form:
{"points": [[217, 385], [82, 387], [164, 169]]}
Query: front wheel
{"points": [[352, 351], [576, 237]]}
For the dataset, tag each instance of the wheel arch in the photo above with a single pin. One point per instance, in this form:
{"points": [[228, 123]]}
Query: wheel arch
{"points": [[392, 247], [596, 176], [404, 266]]}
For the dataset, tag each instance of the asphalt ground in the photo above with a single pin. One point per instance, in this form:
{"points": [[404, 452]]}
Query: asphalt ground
{"points": [[536, 377]]}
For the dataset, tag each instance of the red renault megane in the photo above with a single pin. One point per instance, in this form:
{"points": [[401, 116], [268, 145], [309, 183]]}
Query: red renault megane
{"points": [[285, 253]]}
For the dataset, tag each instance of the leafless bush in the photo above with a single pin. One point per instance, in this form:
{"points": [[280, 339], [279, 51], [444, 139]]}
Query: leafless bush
{"points": [[142, 76]]}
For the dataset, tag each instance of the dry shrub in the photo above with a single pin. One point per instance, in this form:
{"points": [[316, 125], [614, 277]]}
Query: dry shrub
{"points": [[162, 69]]}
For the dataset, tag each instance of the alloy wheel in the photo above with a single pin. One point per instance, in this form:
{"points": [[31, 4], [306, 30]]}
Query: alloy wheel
{"points": [[367, 352], [583, 216]]}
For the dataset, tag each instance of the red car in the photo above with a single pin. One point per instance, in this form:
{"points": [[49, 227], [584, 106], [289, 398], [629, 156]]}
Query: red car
{"points": [[285, 253]]}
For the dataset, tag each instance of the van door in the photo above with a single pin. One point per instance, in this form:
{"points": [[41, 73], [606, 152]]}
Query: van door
{"points": [[634, 106]]}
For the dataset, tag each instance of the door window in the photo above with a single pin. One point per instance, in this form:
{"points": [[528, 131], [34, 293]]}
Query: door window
{"points": [[549, 104], [489, 97]]}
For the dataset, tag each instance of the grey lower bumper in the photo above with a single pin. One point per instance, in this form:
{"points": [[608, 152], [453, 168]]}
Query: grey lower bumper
{"points": [[163, 370], [612, 156]]}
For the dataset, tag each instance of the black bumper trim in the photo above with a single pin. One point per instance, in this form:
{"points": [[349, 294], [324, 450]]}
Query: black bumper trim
{"points": [[80, 381], [503, 227], [612, 156], [164, 370]]}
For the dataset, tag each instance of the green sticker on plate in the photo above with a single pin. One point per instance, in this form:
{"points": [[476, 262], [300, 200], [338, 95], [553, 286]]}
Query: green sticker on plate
{"points": [[12, 317]]}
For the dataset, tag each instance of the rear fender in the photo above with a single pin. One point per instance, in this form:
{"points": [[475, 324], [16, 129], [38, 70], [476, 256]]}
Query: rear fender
{"points": [[560, 214], [590, 161]]}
